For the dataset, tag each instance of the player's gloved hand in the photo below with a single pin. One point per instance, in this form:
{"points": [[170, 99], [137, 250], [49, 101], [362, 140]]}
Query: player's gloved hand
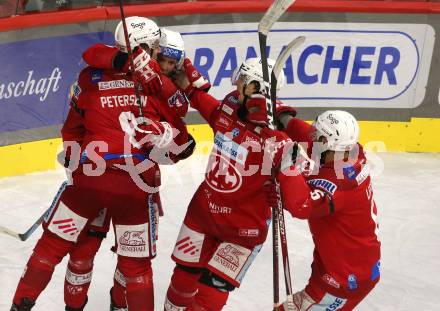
{"points": [[147, 72], [287, 306], [194, 77], [297, 302], [284, 113], [269, 189], [189, 150], [159, 134]]}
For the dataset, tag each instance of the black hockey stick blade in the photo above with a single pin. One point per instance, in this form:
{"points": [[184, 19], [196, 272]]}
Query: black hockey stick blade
{"points": [[274, 12]]}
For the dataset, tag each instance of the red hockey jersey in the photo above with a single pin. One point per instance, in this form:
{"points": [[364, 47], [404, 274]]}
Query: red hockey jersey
{"points": [[231, 196], [347, 249]]}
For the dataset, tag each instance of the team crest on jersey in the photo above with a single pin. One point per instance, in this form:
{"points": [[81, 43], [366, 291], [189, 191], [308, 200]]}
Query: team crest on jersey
{"points": [[224, 122], [323, 184], [96, 75], [178, 99], [221, 175]]}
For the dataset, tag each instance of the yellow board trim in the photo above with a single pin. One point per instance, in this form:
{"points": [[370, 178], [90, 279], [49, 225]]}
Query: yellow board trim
{"points": [[419, 135]]}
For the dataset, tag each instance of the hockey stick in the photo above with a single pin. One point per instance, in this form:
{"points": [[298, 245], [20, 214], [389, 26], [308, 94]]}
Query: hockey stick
{"points": [[281, 60], [270, 17], [24, 236], [130, 57]]}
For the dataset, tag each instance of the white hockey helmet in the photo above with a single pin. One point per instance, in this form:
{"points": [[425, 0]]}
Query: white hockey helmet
{"points": [[252, 70], [340, 129], [140, 30], [172, 45]]}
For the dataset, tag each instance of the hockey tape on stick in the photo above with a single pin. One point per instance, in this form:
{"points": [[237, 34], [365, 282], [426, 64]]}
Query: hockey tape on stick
{"points": [[273, 14], [24, 236]]}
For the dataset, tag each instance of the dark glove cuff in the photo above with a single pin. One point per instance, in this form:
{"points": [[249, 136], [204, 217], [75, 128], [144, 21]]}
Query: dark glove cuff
{"points": [[119, 61]]}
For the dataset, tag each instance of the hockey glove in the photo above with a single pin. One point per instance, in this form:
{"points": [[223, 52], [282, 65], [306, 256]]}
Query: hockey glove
{"points": [[270, 191], [194, 77], [283, 113], [147, 72], [189, 150], [159, 134]]}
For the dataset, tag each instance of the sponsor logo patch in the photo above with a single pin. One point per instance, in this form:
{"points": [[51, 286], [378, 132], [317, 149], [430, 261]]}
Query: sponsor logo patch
{"points": [[189, 245], [352, 282], [363, 175], [185, 245], [349, 172], [115, 84], [66, 225], [229, 256], [216, 209], [230, 148], [324, 184], [330, 281], [375, 271], [224, 122], [227, 109], [96, 75], [253, 233], [235, 132], [250, 137], [132, 240]]}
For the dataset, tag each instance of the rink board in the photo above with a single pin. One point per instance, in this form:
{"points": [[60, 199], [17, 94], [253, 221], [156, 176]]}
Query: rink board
{"points": [[419, 135]]}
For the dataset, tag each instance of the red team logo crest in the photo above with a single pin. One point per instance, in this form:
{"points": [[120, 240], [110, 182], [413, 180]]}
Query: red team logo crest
{"points": [[222, 176]]}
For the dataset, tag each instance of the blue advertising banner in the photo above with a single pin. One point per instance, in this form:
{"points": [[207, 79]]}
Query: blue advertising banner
{"points": [[35, 78]]}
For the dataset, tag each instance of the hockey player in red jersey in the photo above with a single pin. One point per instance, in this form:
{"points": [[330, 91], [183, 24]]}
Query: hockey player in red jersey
{"points": [[227, 220], [105, 118], [343, 219], [170, 57]]}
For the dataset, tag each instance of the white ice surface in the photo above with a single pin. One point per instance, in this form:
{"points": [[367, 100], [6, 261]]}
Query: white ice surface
{"points": [[407, 192]]}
